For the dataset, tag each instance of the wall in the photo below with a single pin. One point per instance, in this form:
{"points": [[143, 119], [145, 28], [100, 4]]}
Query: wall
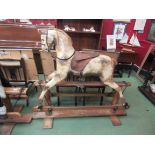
{"points": [[108, 29]]}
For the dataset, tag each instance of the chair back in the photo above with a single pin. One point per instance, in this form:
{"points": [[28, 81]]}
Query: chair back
{"points": [[14, 71]]}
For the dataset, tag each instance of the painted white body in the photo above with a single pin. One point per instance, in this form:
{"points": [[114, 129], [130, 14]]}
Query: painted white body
{"points": [[3, 110], [102, 65]]}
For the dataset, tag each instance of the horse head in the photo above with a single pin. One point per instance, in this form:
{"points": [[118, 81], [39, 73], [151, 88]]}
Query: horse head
{"points": [[48, 39]]}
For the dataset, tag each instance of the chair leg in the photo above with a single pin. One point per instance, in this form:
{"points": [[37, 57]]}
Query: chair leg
{"points": [[102, 91], [76, 90], [84, 98], [58, 97], [36, 88], [130, 70], [27, 102]]}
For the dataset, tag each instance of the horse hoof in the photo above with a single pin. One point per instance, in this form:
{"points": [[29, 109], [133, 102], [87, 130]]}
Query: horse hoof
{"points": [[39, 107], [115, 109], [122, 101], [126, 105]]}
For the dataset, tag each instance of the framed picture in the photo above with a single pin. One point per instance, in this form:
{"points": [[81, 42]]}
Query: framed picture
{"points": [[119, 30], [111, 42], [151, 32], [140, 24]]}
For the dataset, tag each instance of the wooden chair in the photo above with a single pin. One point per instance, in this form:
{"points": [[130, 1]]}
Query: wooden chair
{"points": [[126, 59], [14, 72]]}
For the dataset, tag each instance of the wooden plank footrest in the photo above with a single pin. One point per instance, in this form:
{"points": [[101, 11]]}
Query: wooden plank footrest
{"points": [[81, 111]]}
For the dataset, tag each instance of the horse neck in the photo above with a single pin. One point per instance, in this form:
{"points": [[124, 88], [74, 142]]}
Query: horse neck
{"points": [[64, 48]]}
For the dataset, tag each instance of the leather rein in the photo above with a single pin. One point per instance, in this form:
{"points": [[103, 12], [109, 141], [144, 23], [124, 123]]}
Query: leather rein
{"points": [[64, 58]]}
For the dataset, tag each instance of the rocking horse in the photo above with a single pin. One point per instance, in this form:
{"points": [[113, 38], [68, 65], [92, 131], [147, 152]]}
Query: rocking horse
{"points": [[79, 62], [93, 63]]}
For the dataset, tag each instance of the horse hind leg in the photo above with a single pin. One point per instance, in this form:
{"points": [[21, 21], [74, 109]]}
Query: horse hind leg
{"points": [[116, 87]]}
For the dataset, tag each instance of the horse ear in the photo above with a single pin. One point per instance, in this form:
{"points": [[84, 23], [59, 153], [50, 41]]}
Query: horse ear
{"points": [[42, 31], [54, 34]]}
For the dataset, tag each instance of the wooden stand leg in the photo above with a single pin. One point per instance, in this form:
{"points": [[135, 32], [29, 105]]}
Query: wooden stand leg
{"points": [[115, 120], [58, 97], [115, 98], [48, 98], [102, 91], [76, 90], [48, 123]]}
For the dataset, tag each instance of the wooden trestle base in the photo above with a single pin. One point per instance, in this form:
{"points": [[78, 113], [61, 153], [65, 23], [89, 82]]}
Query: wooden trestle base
{"points": [[12, 118], [49, 112]]}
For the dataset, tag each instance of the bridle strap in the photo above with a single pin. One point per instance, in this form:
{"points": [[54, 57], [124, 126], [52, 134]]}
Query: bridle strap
{"points": [[65, 58]]}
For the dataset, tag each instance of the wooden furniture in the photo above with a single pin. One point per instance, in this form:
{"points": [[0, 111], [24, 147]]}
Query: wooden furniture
{"points": [[126, 59], [145, 88], [14, 72], [82, 39], [147, 63], [21, 36], [13, 117], [146, 74]]}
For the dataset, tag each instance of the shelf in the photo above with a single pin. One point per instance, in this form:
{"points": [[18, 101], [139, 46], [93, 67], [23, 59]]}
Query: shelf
{"points": [[148, 93], [83, 32], [83, 39]]}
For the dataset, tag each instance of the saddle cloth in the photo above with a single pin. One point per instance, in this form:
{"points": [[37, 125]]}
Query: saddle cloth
{"points": [[81, 59]]}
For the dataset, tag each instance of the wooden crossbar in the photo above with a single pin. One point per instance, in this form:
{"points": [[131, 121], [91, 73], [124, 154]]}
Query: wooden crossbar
{"points": [[94, 84]]}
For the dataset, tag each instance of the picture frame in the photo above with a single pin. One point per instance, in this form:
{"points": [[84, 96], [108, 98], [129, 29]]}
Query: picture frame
{"points": [[119, 30], [151, 32], [139, 24], [111, 42]]}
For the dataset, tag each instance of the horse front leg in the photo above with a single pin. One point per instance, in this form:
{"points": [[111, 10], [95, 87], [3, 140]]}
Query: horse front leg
{"points": [[57, 77], [50, 77]]}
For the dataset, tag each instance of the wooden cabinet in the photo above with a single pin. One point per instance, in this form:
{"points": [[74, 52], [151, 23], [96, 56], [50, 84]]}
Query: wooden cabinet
{"points": [[21, 36], [146, 73], [82, 39]]}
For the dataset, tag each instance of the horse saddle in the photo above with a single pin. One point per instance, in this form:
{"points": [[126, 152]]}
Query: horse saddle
{"points": [[81, 59]]}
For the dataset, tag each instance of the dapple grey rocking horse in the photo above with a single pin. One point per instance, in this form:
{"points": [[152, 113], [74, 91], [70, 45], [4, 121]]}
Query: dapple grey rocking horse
{"points": [[100, 65]]}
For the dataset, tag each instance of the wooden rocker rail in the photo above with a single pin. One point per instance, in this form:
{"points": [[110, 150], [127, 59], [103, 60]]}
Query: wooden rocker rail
{"points": [[81, 111]]}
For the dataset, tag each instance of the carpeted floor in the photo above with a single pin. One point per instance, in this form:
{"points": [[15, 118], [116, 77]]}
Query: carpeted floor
{"points": [[140, 119]]}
